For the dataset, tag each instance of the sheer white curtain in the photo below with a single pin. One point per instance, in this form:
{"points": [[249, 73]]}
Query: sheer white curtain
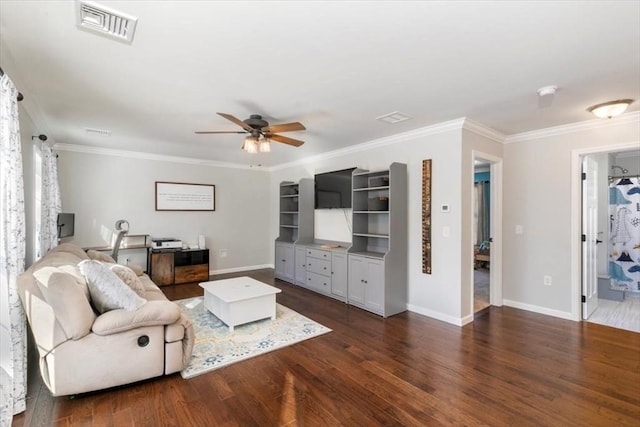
{"points": [[51, 202], [12, 253]]}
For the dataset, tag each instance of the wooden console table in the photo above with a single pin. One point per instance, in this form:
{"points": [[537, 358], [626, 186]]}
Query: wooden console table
{"points": [[173, 267]]}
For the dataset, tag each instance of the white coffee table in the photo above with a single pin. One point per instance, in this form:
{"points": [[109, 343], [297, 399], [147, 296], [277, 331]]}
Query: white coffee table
{"points": [[240, 300]]}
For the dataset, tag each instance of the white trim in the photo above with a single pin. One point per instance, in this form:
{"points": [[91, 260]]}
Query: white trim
{"points": [[632, 117], [483, 130], [576, 218], [541, 310], [149, 156], [443, 127], [458, 321], [239, 269]]}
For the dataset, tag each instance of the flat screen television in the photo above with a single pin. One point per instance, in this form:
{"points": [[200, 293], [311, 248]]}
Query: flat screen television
{"points": [[333, 189], [65, 225]]}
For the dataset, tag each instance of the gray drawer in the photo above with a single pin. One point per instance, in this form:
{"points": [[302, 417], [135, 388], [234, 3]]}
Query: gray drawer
{"points": [[319, 266], [319, 253], [319, 283]]}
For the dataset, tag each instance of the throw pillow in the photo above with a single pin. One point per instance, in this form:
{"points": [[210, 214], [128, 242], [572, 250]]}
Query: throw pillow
{"points": [[136, 269], [107, 291], [100, 256], [65, 295], [128, 276]]}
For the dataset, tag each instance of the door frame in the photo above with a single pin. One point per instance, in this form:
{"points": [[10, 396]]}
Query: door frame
{"points": [[576, 216], [495, 221]]}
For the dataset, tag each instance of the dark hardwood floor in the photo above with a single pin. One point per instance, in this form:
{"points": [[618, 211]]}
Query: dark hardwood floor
{"points": [[509, 367]]}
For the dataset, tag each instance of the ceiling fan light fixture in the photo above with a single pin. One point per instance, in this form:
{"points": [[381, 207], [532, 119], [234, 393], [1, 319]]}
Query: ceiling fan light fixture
{"points": [[608, 110], [250, 145], [265, 146]]}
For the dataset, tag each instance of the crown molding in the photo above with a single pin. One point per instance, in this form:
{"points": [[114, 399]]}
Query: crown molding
{"points": [[627, 118], [149, 156], [438, 128], [483, 130]]}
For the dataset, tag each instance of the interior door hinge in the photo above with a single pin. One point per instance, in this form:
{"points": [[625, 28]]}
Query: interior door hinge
{"points": [[584, 299], [584, 237], [584, 176]]}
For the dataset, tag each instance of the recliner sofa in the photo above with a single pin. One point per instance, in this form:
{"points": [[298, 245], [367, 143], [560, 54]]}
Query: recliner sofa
{"points": [[81, 350]]}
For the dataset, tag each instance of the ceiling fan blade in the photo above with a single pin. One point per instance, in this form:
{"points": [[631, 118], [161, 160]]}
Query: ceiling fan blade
{"points": [[285, 127], [237, 121], [286, 140], [202, 132]]}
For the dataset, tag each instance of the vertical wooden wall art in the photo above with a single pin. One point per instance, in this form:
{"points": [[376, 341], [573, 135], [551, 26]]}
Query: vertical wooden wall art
{"points": [[426, 216]]}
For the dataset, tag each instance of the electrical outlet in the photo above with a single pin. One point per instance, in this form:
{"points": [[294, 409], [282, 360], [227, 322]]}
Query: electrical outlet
{"points": [[547, 280], [223, 253]]}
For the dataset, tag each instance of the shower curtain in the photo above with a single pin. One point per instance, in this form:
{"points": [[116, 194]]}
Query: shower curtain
{"points": [[624, 236]]}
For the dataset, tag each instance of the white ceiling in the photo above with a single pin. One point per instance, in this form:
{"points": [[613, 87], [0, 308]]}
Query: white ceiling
{"points": [[334, 66]]}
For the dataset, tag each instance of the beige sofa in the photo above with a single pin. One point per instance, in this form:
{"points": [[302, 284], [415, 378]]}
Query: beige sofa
{"points": [[81, 350]]}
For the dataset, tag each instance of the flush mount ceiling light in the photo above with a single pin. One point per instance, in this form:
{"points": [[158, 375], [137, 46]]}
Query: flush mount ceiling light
{"points": [[610, 109]]}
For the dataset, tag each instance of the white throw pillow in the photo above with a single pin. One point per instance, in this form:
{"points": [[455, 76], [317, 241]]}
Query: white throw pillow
{"points": [[100, 256], [129, 278], [107, 291]]}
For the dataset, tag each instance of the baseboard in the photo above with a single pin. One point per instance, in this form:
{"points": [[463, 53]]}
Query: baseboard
{"points": [[237, 269], [458, 321], [541, 310]]}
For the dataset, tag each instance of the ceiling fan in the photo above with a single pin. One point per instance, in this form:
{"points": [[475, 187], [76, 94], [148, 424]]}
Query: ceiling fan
{"points": [[260, 132]]}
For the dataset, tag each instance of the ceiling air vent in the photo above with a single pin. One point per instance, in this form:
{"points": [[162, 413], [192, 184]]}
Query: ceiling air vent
{"points": [[103, 20], [100, 132], [392, 118]]}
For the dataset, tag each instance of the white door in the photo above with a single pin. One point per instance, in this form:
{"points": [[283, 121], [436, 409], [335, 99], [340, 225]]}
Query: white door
{"points": [[589, 236]]}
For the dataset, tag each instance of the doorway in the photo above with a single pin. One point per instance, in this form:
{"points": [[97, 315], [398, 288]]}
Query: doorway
{"points": [[486, 273], [610, 253], [481, 235]]}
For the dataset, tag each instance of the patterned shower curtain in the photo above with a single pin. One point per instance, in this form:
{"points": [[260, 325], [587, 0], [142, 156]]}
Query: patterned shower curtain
{"points": [[624, 234], [13, 369]]}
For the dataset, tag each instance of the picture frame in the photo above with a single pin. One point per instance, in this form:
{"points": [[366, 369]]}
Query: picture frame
{"points": [[178, 196]]}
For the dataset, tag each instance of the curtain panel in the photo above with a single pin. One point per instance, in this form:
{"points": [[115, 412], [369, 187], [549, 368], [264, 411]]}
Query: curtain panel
{"points": [[12, 256], [51, 202]]}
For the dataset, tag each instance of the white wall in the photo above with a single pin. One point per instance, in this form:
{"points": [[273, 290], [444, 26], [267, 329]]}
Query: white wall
{"points": [[100, 189], [537, 195], [438, 294]]}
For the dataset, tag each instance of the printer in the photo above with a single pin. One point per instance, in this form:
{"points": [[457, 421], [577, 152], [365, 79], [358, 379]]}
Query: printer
{"points": [[165, 243]]}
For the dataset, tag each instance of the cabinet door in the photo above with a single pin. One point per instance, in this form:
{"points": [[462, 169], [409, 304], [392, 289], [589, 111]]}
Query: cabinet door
{"points": [[289, 263], [339, 274], [301, 267], [162, 268], [374, 285], [356, 279], [280, 259], [284, 264]]}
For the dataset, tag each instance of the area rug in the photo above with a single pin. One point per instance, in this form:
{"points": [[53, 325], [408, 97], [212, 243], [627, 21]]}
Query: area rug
{"points": [[216, 347]]}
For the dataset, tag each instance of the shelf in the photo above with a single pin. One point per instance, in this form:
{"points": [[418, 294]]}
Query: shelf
{"points": [[288, 226], [378, 255], [370, 212], [289, 196], [289, 212], [377, 236], [385, 187], [384, 172]]}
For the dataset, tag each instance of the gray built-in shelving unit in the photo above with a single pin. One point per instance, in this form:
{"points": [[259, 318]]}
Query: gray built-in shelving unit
{"points": [[296, 215], [377, 265]]}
